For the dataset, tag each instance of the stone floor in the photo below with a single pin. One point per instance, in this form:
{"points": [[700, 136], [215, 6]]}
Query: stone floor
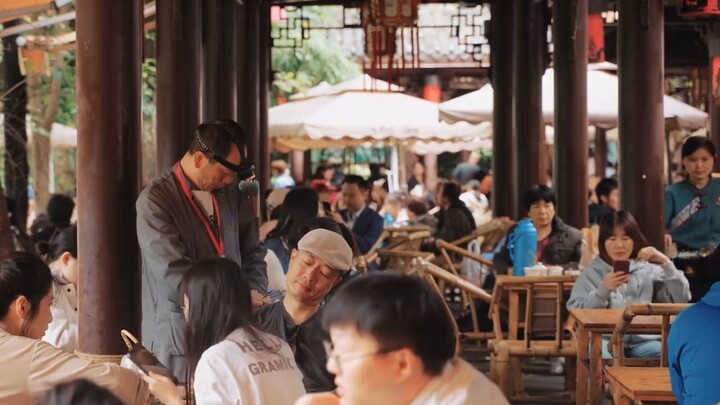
{"points": [[538, 380]]}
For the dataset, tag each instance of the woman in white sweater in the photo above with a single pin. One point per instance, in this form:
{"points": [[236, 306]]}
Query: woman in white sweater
{"points": [[232, 362], [652, 277]]}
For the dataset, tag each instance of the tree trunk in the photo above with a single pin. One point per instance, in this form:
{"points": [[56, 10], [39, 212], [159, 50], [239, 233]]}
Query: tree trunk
{"points": [[15, 109], [7, 243], [42, 119]]}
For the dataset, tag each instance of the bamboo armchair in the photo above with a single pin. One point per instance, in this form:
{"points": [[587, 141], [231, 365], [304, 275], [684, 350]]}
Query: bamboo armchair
{"points": [[617, 347], [432, 273], [543, 320], [620, 374], [407, 238]]}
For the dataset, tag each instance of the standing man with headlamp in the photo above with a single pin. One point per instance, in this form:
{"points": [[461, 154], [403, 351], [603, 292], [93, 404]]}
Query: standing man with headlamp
{"points": [[194, 211]]}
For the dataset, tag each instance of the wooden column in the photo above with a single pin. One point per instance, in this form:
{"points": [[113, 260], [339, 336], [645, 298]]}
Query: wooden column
{"points": [[219, 40], [641, 126], [178, 78], [265, 78], [529, 39], [571, 145], [503, 163], [601, 152], [109, 55], [248, 78]]}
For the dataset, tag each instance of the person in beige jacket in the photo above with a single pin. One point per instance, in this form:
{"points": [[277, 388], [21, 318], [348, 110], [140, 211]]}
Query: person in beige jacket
{"points": [[30, 366]]}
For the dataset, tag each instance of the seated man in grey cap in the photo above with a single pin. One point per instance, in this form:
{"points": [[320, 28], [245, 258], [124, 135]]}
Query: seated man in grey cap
{"points": [[320, 262]]}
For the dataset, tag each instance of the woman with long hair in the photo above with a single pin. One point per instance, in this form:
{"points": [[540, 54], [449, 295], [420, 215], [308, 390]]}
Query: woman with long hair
{"points": [[30, 367], [232, 362], [692, 217], [650, 277], [300, 204]]}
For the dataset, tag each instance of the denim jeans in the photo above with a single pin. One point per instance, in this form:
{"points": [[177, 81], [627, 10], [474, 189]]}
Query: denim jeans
{"points": [[649, 349]]}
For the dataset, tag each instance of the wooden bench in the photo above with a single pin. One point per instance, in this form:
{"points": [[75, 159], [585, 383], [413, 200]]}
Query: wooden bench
{"points": [[641, 385]]}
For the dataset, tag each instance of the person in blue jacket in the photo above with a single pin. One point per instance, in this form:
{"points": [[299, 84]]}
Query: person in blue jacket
{"points": [[694, 354]]}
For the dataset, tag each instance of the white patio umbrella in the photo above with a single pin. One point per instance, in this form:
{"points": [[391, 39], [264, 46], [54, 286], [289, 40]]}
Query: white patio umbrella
{"points": [[363, 82], [603, 102], [355, 118]]}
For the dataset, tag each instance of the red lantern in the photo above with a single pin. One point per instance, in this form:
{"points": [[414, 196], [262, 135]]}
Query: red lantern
{"points": [[394, 13]]}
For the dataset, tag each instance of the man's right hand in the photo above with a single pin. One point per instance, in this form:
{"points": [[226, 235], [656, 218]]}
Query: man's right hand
{"points": [[615, 279]]}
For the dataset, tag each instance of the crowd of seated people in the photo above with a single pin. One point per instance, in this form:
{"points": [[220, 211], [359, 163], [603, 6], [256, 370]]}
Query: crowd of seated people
{"points": [[328, 334]]}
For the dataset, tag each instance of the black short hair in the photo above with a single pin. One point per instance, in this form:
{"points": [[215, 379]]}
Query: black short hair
{"points": [[60, 209], [451, 190], [605, 187], [79, 392], [694, 143], [219, 135], [539, 192], [417, 206], [61, 242], [353, 179], [398, 311]]}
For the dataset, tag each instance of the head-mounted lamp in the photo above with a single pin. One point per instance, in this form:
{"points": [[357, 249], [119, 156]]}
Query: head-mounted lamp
{"points": [[245, 170]]}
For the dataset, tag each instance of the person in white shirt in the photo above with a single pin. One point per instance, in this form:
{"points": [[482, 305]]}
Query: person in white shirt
{"points": [[232, 362], [392, 342], [61, 254]]}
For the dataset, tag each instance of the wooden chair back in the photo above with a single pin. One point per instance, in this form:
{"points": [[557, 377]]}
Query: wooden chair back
{"points": [[407, 238], [666, 311], [544, 314]]}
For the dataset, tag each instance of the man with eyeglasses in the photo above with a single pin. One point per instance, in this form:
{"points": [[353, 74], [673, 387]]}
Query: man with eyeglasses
{"points": [[321, 261], [392, 342], [196, 210]]}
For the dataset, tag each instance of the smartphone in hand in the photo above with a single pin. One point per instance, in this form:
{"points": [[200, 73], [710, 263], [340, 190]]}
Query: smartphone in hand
{"points": [[621, 266], [146, 361]]}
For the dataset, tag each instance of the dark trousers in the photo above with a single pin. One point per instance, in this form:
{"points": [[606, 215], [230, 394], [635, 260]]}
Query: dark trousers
{"points": [[701, 272]]}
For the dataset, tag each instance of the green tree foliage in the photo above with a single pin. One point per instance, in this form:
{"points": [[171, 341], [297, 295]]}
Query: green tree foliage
{"points": [[305, 67], [318, 60]]}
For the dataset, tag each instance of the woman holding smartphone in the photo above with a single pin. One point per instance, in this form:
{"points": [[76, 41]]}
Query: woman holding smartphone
{"points": [[231, 361], [628, 271]]}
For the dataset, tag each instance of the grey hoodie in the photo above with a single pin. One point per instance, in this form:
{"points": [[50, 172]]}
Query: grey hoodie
{"points": [[647, 281]]}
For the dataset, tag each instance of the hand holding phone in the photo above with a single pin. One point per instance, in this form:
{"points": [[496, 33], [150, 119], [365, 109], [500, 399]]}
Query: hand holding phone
{"points": [[621, 266], [619, 276], [147, 362]]}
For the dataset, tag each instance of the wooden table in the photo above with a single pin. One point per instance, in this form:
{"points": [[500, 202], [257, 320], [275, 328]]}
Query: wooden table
{"points": [[591, 324], [644, 384]]}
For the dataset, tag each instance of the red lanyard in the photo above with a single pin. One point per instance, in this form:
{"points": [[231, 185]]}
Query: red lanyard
{"points": [[216, 240]]}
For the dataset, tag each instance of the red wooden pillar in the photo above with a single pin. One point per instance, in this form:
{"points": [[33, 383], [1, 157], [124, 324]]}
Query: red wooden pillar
{"points": [[642, 126], [109, 55], [503, 163], [571, 146], [529, 39], [178, 78]]}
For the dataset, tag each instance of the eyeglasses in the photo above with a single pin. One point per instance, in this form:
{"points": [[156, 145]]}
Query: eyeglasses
{"points": [[338, 360]]}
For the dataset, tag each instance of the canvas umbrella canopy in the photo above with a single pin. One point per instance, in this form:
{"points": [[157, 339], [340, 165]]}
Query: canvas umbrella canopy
{"points": [[363, 82], [603, 103], [357, 118]]}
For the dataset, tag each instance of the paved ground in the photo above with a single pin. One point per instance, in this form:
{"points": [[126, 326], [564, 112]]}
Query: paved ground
{"points": [[538, 380]]}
